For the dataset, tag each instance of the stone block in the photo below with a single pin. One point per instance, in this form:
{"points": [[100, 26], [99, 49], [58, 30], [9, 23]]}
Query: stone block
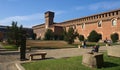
{"points": [[93, 60], [113, 51]]}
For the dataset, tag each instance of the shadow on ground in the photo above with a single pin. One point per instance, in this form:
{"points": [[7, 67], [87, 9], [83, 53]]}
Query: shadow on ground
{"points": [[109, 64], [37, 59], [9, 53]]}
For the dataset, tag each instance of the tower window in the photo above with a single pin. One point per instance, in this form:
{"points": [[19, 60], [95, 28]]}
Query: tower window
{"points": [[116, 12], [83, 25], [113, 13], [106, 14], [99, 23], [114, 22]]}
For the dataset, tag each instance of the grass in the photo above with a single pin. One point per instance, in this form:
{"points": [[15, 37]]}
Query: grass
{"points": [[8, 46], [73, 63]]}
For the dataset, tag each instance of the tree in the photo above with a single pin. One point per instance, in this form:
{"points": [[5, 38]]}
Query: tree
{"points": [[17, 35], [114, 37], [70, 35], [13, 34], [81, 38], [22, 42], [94, 36], [49, 34]]}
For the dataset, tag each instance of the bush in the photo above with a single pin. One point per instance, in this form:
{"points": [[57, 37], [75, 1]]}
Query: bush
{"points": [[49, 34], [70, 35], [94, 36], [58, 37], [81, 38], [114, 37]]}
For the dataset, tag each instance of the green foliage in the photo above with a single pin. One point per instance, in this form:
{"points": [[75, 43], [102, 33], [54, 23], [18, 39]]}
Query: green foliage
{"points": [[10, 47], [17, 35], [114, 37], [70, 35], [81, 38], [59, 37], [94, 36], [22, 44], [13, 34], [49, 34]]}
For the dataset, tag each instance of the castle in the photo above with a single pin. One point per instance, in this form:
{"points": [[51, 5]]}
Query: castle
{"points": [[105, 23]]}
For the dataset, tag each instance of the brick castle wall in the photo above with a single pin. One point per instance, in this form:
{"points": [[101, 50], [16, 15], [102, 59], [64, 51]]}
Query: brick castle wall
{"points": [[86, 24]]}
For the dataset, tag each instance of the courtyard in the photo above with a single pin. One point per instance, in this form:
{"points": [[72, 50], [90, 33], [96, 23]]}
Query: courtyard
{"points": [[9, 59]]}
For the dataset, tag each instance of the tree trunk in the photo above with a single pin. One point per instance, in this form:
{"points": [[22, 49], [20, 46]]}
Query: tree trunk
{"points": [[23, 48]]}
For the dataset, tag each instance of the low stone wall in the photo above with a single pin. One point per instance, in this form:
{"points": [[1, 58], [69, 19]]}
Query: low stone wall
{"points": [[113, 51], [94, 60]]}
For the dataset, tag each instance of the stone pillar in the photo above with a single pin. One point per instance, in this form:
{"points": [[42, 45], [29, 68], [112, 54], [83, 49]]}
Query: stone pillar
{"points": [[93, 60]]}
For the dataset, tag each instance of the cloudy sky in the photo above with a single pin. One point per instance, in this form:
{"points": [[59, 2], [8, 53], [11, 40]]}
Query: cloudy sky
{"points": [[31, 12]]}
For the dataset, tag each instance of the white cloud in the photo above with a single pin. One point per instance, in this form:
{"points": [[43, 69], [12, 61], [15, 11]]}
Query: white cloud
{"points": [[28, 20], [8, 20]]}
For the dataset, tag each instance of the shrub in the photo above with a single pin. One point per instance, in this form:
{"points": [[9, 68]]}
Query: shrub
{"points": [[49, 34], [94, 36], [58, 37], [114, 37], [70, 35], [81, 38]]}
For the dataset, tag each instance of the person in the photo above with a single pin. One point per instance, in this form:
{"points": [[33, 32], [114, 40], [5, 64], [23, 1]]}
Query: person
{"points": [[95, 48], [84, 44]]}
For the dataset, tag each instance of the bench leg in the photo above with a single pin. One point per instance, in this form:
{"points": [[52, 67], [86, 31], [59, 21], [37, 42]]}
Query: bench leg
{"points": [[43, 56], [31, 57]]}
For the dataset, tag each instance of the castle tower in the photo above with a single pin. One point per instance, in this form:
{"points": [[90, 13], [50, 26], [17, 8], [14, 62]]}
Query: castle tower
{"points": [[49, 19]]}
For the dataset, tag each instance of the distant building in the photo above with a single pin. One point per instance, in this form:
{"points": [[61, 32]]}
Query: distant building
{"points": [[4, 30], [105, 23]]}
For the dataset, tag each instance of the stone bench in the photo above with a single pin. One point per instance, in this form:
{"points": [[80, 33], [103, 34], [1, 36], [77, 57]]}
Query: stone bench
{"points": [[93, 60], [113, 51], [42, 54]]}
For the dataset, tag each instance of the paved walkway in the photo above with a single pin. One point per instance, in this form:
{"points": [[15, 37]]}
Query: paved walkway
{"points": [[9, 58]]}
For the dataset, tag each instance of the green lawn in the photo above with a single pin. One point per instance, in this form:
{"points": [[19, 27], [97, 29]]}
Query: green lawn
{"points": [[73, 63], [9, 46]]}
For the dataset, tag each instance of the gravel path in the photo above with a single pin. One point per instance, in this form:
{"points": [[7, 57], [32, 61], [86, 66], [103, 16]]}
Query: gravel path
{"points": [[70, 52], [9, 58]]}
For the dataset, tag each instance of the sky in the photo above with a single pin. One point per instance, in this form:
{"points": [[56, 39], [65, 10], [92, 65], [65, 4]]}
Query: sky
{"points": [[31, 12]]}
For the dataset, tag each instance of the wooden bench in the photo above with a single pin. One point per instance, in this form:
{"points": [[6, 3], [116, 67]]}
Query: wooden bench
{"points": [[36, 54]]}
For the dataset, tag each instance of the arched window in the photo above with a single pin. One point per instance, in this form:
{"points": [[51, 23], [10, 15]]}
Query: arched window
{"points": [[114, 22], [99, 23], [83, 25]]}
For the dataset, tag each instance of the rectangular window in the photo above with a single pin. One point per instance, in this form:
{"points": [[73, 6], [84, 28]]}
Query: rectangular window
{"points": [[99, 23], [114, 22], [116, 12]]}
